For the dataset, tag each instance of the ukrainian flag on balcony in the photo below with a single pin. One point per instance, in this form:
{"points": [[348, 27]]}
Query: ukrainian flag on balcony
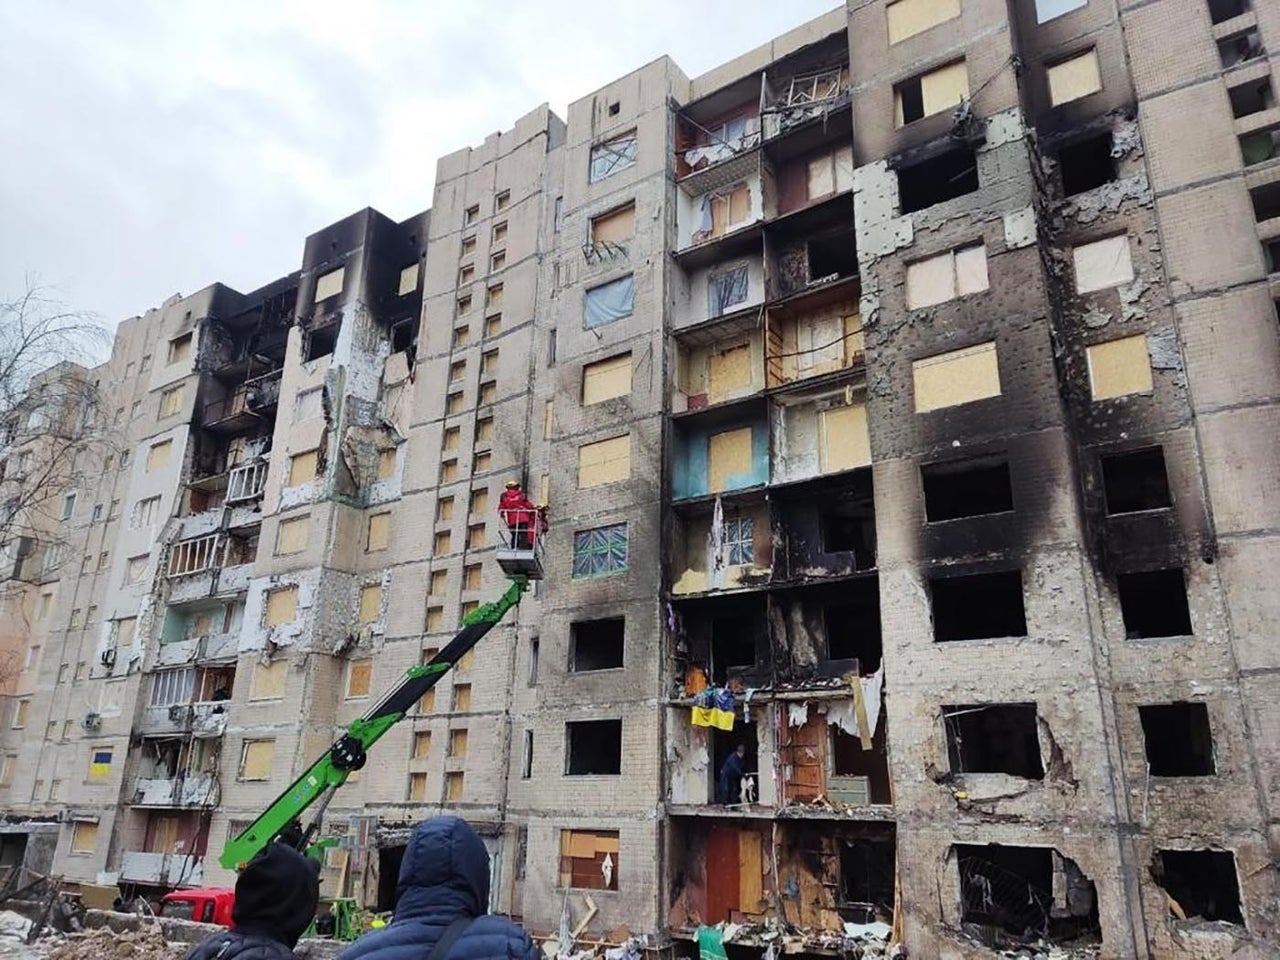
{"points": [[714, 708], [100, 765]]}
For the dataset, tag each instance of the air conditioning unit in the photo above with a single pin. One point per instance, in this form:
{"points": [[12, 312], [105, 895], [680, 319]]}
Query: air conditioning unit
{"points": [[91, 721], [109, 657]]}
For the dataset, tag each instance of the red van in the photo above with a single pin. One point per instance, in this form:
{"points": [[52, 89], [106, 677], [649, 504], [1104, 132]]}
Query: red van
{"points": [[202, 904]]}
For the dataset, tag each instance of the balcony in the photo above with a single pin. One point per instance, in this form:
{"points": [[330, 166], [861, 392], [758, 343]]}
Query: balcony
{"points": [[162, 869], [196, 555], [199, 791], [245, 406], [247, 482], [201, 720]]}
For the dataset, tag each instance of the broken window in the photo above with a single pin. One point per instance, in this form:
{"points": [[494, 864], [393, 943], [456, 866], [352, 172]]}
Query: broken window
{"points": [[1086, 164], [956, 273], [940, 89], [906, 18], [966, 488], [1136, 481], [1011, 894], [832, 256], [1266, 201], [860, 776], [1119, 368], [404, 335], [852, 627], [593, 748], [596, 644], [1178, 740], [1200, 884], [739, 541], [978, 606], [609, 302], [321, 342], [1047, 10], [946, 176], [600, 551], [612, 155], [1252, 97], [1154, 604], [867, 873], [1073, 78], [726, 288], [589, 859], [994, 738], [1240, 48]]}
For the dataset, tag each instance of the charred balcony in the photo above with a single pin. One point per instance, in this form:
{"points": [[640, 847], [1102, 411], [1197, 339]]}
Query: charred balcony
{"points": [[244, 408]]}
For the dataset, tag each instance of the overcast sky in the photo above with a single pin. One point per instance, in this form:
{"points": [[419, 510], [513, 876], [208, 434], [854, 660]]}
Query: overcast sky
{"points": [[150, 148]]}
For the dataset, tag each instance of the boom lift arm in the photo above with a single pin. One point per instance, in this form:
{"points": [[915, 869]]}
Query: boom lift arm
{"points": [[350, 751]]}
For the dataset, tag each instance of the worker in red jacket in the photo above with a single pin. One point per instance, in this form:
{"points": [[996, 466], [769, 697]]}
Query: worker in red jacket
{"points": [[520, 515]]}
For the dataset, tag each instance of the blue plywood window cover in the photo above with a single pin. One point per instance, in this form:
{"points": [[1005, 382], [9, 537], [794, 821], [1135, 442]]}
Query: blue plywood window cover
{"points": [[609, 302], [726, 288], [600, 551]]}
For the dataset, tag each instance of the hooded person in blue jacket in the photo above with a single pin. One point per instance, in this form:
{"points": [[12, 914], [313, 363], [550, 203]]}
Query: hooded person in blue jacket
{"points": [[444, 886]]}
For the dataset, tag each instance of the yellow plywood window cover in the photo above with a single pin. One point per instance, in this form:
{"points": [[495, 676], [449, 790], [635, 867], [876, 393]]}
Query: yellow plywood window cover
{"points": [[379, 532], [444, 509], [417, 787], [443, 542], [1120, 367], [822, 180], [1103, 264], [728, 210], [906, 18], [479, 501], [484, 428], [293, 535], [616, 226], [436, 585], [727, 371], [84, 836], [1074, 78], [370, 602], [421, 744], [170, 401], [180, 348], [359, 678], [956, 377], [452, 436], [457, 743], [408, 279], [268, 680], [302, 467], [606, 379], [944, 88], [730, 457], [453, 786], [158, 455], [329, 284], [606, 461], [255, 761], [462, 697], [846, 443], [435, 619], [386, 463], [548, 419], [282, 606]]}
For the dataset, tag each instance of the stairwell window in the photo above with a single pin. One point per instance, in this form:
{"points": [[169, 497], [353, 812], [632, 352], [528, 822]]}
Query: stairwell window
{"points": [[613, 155], [600, 551]]}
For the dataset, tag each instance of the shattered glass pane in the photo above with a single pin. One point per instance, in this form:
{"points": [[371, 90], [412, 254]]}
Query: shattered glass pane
{"points": [[738, 541]]}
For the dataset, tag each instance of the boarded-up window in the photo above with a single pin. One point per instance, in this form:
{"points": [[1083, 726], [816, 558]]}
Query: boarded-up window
{"points": [[606, 379], [484, 429], [6, 771], [1102, 264], [329, 284], [444, 509], [453, 786], [158, 455], [609, 302], [493, 297], [729, 460], [268, 679], [421, 744], [605, 461], [1074, 78], [821, 178], [493, 325], [467, 660], [408, 279], [722, 212], [728, 370], [461, 336], [452, 437], [282, 606], [417, 787], [589, 859], [359, 677], [436, 585], [20, 708], [462, 697], [909, 17], [180, 348], [370, 602], [379, 532], [255, 759], [170, 401], [479, 502], [386, 463], [435, 619], [475, 536], [453, 402], [1120, 367], [457, 743], [84, 836], [488, 393], [482, 462], [548, 419], [489, 363], [443, 542], [845, 443], [293, 535], [472, 575], [467, 609], [466, 274], [937, 91], [448, 471], [616, 226], [956, 377], [457, 370], [947, 276], [302, 467]]}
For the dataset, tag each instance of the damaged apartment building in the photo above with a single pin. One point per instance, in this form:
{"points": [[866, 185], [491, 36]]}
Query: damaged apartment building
{"points": [[904, 394]]}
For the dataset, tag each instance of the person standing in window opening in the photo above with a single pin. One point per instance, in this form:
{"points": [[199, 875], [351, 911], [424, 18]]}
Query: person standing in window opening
{"points": [[730, 784], [520, 514]]}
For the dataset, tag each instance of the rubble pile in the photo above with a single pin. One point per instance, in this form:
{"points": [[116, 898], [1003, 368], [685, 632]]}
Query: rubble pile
{"points": [[147, 943], [854, 940], [14, 927]]}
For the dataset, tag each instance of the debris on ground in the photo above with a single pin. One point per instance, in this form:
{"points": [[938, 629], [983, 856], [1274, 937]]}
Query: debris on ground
{"points": [[14, 926], [146, 943]]}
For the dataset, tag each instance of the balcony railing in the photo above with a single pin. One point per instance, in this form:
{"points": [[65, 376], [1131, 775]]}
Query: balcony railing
{"points": [[167, 869], [196, 791], [195, 556], [247, 482], [207, 719]]}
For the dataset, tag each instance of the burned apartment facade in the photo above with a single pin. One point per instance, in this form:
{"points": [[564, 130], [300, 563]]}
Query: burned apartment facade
{"points": [[904, 396]]}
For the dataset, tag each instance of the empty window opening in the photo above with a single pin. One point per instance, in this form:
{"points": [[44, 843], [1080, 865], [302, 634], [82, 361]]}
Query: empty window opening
{"points": [[1136, 481], [1266, 201], [936, 91], [1252, 97], [1201, 884], [322, 341], [1240, 48], [966, 488], [867, 871], [860, 777], [1012, 894], [849, 526], [726, 784], [1221, 10], [1271, 254], [733, 647], [832, 256], [1260, 147], [978, 606], [389, 860], [593, 748], [596, 644], [852, 627], [404, 335], [994, 738], [1154, 604], [1178, 740], [944, 177], [1086, 164]]}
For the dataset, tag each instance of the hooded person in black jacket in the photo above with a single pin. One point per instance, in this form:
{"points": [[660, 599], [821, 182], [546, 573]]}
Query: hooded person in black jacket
{"points": [[276, 898]]}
